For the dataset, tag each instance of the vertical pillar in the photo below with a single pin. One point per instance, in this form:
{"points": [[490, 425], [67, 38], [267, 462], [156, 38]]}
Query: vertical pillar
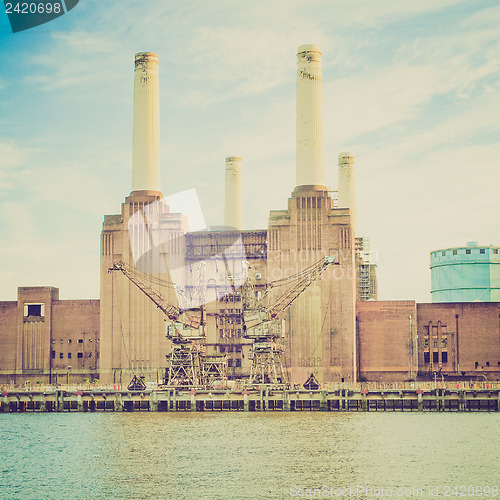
{"points": [[286, 400], [118, 402], [347, 185], [153, 401], [233, 195], [323, 404], [310, 168], [146, 139]]}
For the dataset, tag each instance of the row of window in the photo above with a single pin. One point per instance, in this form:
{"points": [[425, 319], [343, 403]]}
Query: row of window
{"points": [[435, 357], [444, 342], [229, 311], [230, 321], [468, 251], [229, 348], [230, 333], [70, 341], [79, 355], [476, 364], [444, 359], [236, 364]]}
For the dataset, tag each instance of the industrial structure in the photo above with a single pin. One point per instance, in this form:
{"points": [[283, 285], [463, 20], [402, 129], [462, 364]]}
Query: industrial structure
{"points": [[187, 308], [466, 274]]}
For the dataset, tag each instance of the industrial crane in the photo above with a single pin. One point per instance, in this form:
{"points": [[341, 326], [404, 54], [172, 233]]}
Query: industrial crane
{"points": [[183, 328], [263, 326]]}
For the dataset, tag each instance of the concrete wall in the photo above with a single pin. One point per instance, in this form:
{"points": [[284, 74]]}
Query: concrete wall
{"points": [[387, 342]]}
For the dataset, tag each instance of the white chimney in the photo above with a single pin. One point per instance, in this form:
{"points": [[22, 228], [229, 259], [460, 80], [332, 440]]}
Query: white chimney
{"points": [[146, 141], [347, 185], [233, 210], [310, 167]]}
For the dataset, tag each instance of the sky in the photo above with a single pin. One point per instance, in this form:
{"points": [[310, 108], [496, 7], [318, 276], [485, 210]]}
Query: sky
{"points": [[410, 88]]}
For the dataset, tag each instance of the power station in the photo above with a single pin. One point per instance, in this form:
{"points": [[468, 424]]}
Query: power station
{"points": [[292, 303]]}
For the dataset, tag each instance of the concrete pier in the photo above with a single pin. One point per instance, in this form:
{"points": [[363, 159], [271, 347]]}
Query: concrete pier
{"points": [[460, 399]]}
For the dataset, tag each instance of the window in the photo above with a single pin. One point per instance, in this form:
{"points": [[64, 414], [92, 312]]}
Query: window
{"points": [[482, 250], [455, 252], [229, 362], [427, 357], [79, 355], [443, 253], [444, 357], [237, 363], [487, 363], [476, 364], [467, 250], [34, 310], [61, 355], [426, 342], [230, 348], [69, 355], [69, 341], [238, 348], [495, 251], [222, 349], [53, 355], [435, 357], [80, 341]]}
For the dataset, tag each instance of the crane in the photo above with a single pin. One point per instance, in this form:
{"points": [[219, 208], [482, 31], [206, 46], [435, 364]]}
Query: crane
{"points": [[183, 325], [183, 328], [263, 326]]}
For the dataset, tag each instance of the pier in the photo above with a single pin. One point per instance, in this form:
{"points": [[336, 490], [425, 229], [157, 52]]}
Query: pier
{"points": [[342, 398]]}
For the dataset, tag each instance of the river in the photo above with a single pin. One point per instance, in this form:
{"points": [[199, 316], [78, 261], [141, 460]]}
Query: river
{"points": [[249, 455]]}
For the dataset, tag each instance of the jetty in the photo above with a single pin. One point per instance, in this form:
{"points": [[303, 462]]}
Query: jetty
{"points": [[444, 397]]}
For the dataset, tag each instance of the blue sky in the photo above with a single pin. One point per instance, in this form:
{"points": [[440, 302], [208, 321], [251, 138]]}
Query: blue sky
{"points": [[410, 88]]}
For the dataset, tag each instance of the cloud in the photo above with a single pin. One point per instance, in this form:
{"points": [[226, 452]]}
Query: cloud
{"points": [[11, 155]]}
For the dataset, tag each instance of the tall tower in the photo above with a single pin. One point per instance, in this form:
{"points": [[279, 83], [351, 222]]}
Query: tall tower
{"points": [[320, 337], [347, 185], [132, 328], [310, 166], [146, 139], [233, 201]]}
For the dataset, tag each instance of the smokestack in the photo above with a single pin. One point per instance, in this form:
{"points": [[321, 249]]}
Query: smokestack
{"points": [[233, 209], [310, 167], [146, 141], [347, 185]]}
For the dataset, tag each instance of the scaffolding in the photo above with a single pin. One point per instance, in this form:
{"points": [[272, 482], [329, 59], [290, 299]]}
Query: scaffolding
{"points": [[214, 370], [367, 271]]}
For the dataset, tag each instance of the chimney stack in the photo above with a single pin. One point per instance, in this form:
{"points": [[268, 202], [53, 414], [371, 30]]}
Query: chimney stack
{"points": [[233, 210], [310, 167], [347, 185], [146, 141]]}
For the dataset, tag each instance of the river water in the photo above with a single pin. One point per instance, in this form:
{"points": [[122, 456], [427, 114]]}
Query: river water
{"points": [[249, 455]]}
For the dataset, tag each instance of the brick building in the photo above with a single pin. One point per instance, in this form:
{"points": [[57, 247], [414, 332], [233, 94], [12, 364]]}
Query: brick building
{"points": [[47, 340]]}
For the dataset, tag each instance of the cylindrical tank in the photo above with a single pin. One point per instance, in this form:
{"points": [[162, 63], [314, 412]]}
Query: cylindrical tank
{"points": [[466, 274]]}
